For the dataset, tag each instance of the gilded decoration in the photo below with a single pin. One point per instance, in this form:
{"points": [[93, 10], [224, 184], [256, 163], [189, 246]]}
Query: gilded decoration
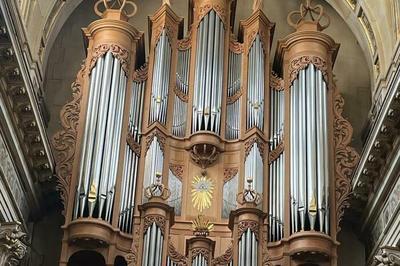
{"points": [[302, 62], [201, 226], [118, 52], [274, 154], [140, 75], [346, 158], [160, 138], [157, 219], [248, 145], [133, 145], [175, 256], [177, 170], [230, 173], [202, 192], [203, 10], [64, 141], [276, 82], [225, 258], [248, 224]]}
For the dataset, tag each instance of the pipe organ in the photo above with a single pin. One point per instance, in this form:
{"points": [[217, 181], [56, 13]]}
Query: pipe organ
{"points": [[206, 154]]}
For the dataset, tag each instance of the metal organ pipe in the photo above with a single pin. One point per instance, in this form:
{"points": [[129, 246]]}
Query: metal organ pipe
{"points": [[131, 164], [208, 74], [152, 246], [254, 168], [234, 86], [309, 162], [153, 163], [160, 83], [182, 84], [277, 174], [248, 246], [103, 128], [255, 85]]}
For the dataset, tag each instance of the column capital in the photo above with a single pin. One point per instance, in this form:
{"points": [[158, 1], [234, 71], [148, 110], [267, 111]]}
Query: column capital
{"points": [[12, 244]]}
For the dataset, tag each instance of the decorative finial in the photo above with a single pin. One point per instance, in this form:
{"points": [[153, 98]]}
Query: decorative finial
{"points": [[249, 195], [202, 226], [257, 5], [127, 7], [308, 12], [157, 189], [166, 2]]}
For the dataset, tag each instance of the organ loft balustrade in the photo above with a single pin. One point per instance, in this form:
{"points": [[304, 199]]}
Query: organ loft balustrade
{"points": [[205, 154]]}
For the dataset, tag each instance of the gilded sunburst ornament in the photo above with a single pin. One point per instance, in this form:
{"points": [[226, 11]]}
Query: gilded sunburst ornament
{"points": [[202, 192]]}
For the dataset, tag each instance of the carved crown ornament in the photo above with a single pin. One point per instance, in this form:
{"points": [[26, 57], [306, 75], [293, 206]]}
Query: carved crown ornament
{"points": [[64, 141], [308, 12], [346, 158], [249, 194], [157, 190], [127, 7]]}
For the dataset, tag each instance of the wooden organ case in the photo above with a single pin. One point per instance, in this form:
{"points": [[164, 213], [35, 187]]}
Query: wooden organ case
{"points": [[203, 155]]}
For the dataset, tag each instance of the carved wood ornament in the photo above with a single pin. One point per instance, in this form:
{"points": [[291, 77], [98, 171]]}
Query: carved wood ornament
{"points": [[160, 138], [64, 141], [230, 173], [346, 158], [157, 219], [276, 83], [250, 143], [175, 256], [118, 52], [302, 62], [177, 170], [140, 75], [274, 154], [203, 10], [133, 145], [204, 252], [225, 258], [248, 224]]}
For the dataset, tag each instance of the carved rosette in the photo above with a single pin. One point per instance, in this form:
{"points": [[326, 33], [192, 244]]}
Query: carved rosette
{"points": [[346, 158], [177, 170], [133, 145], [175, 256], [230, 173], [64, 141], [250, 143], [204, 252], [274, 154], [157, 219], [302, 62], [276, 82], [225, 258], [12, 246], [160, 138], [248, 224], [118, 52]]}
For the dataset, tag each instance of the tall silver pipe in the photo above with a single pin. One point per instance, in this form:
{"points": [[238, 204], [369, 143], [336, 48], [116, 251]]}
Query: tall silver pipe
{"points": [[302, 148], [325, 153], [146, 247], [320, 150]]}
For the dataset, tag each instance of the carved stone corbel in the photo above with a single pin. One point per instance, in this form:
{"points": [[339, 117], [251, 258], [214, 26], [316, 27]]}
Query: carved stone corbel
{"points": [[12, 246], [388, 256]]}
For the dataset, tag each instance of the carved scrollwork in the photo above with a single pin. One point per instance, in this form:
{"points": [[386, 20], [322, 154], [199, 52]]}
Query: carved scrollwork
{"points": [[181, 95], [175, 256], [204, 155], [225, 258], [248, 224], [133, 145], [160, 138], [200, 251], [177, 170], [230, 173], [203, 10], [185, 43], [234, 97], [302, 62], [235, 46], [276, 82], [64, 141], [157, 219], [388, 256], [118, 52], [250, 143], [140, 75], [346, 158], [169, 29], [274, 154], [251, 36], [132, 257]]}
